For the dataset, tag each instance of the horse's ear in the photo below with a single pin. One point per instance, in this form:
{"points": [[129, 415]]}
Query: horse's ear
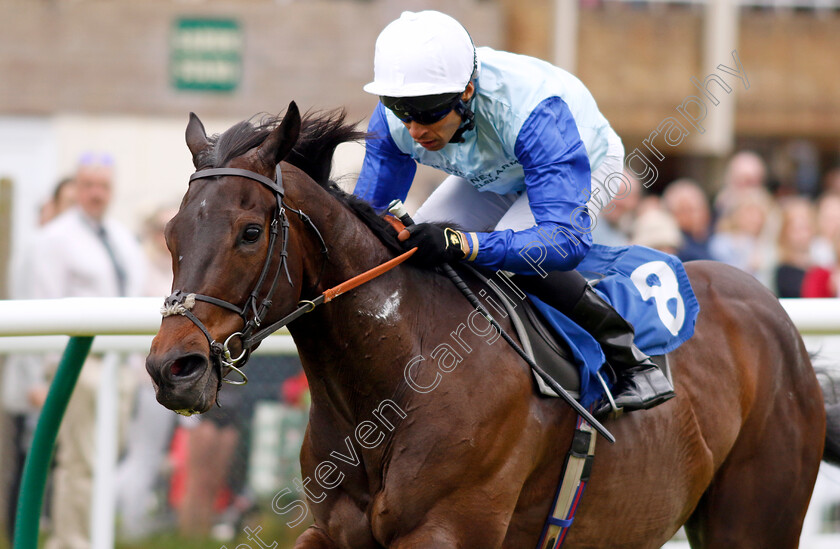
{"points": [[281, 140], [196, 138]]}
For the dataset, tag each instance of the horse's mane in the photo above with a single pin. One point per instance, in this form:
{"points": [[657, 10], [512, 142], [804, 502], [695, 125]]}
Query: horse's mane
{"points": [[321, 132]]}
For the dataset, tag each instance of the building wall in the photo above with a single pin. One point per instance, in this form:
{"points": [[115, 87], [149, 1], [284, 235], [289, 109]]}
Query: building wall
{"points": [[96, 58], [113, 57], [795, 71], [638, 62]]}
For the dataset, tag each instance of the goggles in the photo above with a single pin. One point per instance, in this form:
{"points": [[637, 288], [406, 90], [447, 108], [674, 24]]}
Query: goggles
{"points": [[425, 110]]}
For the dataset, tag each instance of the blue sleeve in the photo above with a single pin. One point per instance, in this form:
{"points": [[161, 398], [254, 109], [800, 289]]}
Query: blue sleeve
{"points": [[387, 172], [558, 182]]}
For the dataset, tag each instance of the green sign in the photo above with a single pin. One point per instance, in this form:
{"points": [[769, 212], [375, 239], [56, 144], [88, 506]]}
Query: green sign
{"points": [[206, 54]]}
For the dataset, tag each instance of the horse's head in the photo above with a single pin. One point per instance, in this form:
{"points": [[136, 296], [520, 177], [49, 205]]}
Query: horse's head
{"points": [[234, 258]]}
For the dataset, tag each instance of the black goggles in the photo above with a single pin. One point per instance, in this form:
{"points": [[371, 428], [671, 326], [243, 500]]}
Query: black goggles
{"points": [[426, 109]]}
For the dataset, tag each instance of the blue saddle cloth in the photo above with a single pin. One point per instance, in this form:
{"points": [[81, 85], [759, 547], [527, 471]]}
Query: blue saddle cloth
{"points": [[647, 287]]}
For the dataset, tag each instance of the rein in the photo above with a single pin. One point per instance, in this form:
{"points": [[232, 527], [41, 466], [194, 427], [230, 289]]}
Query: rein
{"points": [[181, 303], [328, 295]]}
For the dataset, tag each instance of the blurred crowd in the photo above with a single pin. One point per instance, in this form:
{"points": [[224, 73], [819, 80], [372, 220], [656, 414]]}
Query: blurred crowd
{"points": [[197, 475], [786, 236]]}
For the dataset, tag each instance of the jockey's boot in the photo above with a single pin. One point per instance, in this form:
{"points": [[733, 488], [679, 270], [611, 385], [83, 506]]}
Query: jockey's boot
{"points": [[641, 384]]}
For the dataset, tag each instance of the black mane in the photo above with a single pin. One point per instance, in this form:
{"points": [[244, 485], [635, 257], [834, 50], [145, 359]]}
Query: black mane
{"points": [[321, 132]]}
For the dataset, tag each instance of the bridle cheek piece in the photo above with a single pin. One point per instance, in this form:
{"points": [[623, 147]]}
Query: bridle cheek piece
{"points": [[181, 303]]}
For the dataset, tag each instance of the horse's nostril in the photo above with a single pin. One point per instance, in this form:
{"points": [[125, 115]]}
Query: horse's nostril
{"points": [[187, 366]]}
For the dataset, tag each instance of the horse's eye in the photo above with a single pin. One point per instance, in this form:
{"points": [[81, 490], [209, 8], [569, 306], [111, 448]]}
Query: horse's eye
{"points": [[251, 234]]}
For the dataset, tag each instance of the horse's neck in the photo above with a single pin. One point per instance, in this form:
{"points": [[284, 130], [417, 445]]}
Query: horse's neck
{"points": [[352, 247], [349, 346]]}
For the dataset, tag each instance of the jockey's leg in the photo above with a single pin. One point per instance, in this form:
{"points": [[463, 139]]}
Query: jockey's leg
{"points": [[641, 384], [457, 201]]}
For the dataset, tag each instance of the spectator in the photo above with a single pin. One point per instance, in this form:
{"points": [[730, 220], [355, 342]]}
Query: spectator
{"points": [[295, 391], [687, 202], [824, 281], [152, 424], [795, 167], [159, 279], [647, 203], [211, 442], [24, 391], [794, 247], [657, 229], [740, 239], [745, 171], [614, 222], [24, 383], [81, 253], [63, 197], [831, 182], [211, 488], [828, 223]]}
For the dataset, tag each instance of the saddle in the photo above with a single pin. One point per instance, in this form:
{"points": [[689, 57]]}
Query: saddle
{"points": [[547, 348]]}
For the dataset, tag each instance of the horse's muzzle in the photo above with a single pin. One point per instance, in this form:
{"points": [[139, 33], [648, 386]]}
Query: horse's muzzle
{"points": [[184, 382]]}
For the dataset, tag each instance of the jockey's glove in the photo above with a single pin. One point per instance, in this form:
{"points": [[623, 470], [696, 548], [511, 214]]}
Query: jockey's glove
{"points": [[435, 245]]}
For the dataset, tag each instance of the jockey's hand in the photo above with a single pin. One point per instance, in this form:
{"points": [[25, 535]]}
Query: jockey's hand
{"points": [[435, 245]]}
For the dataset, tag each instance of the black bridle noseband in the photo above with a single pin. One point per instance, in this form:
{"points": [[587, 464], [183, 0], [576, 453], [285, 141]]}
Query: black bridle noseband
{"points": [[181, 302]]}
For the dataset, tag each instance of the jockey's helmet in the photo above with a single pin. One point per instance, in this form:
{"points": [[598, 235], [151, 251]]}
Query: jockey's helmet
{"points": [[421, 54]]}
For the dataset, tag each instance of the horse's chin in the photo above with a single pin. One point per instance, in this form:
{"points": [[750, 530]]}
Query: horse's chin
{"points": [[199, 409], [202, 405]]}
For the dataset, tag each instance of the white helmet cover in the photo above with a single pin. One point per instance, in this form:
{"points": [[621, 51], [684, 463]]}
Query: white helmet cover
{"points": [[423, 53]]}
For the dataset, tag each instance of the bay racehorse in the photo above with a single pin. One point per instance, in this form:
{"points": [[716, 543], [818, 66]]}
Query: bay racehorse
{"points": [[473, 460]]}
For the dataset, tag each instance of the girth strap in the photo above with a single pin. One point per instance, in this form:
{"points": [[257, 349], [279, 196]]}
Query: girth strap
{"points": [[575, 478]]}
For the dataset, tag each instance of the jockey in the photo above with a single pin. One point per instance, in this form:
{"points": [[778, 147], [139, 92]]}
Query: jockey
{"points": [[519, 138]]}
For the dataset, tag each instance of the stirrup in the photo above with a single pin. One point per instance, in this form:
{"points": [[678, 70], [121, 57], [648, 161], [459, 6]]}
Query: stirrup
{"points": [[616, 411]]}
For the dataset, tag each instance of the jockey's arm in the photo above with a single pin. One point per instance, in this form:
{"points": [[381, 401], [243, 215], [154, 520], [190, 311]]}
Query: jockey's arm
{"points": [[557, 180], [387, 172]]}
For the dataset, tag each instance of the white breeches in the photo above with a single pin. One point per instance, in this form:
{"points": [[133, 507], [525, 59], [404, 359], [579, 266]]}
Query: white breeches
{"points": [[457, 201]]}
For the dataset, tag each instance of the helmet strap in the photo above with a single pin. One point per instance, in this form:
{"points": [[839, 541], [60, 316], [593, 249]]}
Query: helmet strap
{"points": [[468, 121]]}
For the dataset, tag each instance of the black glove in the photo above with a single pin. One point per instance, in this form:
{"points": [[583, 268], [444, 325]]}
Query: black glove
{"points": [[435, 245]]}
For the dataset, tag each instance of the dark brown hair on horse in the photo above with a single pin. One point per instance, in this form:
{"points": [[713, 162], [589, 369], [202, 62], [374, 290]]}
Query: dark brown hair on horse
{"points": [[473, 458]]}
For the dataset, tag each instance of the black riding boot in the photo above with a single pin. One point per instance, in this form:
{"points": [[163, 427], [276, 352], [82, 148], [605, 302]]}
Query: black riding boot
{"points": [[641, 384]]}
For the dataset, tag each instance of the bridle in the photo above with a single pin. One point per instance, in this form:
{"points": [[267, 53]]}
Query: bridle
{"points": [[254, 309]]}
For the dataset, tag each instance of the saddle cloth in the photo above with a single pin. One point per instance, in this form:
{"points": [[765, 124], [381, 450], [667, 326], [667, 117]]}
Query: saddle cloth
{"points": [[647, 287]]}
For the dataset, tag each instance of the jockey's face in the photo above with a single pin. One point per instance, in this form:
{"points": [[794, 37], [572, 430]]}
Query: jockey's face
{"points": [[436, 136]]}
